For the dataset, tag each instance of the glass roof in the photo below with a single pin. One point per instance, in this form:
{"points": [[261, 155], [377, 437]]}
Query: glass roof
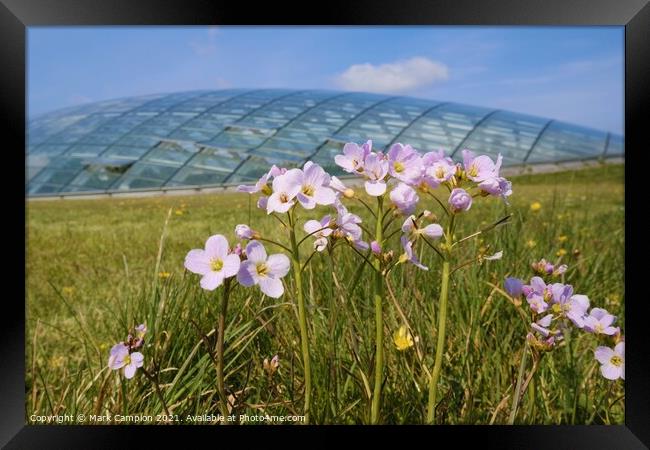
{"points": [[203, 138]]}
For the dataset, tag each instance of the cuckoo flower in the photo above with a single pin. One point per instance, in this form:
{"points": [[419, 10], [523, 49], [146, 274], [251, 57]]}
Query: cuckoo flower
{"points": [[262, 183], [441, 170], [409, 255], [140, 331], [543, 267], [480, 168], [404, 198], [121, 358], [497, 186], [353, 158], [412, 231], [375, 171], [460, 200], [243, 231], [541, 326], [285, 189], [263, 270], [404, 163], [339, 187], [215, 263], [314, 188], [347, 224], [320, 231], [564, 302], [599, 321], [513, 286], [537, 295], [612, 361]]}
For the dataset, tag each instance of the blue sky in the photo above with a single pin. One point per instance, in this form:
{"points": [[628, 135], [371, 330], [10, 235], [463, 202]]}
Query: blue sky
{"points": [[574, 74]]}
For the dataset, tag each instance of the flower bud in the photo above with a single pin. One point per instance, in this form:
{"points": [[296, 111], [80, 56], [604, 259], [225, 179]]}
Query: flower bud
{"points": [[348, 193]]}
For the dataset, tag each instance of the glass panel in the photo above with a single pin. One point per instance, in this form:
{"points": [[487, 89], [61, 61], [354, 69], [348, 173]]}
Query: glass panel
{"points": [[174, 153], [132, 182], [192, 176], [189, 134], [50, 150], [120, 152], [134, 140], [565, 142], [511, 135], [97, 178], [237, 140], [151, 171], [54, 176], [43, 188], [217, 159], [85, 150]]}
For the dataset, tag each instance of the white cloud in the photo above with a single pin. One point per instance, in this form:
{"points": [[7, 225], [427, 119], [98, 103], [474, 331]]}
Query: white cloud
{"points": [[399, 76]]}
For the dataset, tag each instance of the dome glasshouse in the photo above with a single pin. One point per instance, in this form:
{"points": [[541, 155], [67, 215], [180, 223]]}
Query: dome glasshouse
{"points": [[226, 137]]}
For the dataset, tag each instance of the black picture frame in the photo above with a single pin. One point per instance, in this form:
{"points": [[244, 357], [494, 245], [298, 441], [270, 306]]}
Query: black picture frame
{"points": [[17, 15]]}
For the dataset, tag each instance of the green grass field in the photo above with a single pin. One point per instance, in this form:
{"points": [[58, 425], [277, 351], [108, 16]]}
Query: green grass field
{"points": [[96, 268]]}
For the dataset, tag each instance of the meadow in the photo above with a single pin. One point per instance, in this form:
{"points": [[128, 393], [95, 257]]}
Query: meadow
{"points": [[96, 268]]}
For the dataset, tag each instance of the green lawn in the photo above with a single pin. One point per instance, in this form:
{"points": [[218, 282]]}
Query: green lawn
{"points": [[97, 267]]}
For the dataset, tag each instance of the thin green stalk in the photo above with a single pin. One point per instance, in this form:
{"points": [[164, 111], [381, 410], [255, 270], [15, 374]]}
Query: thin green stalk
{"points": [[517, 393], [221, 387], [379, 320], [442, 319], [302, 315]]}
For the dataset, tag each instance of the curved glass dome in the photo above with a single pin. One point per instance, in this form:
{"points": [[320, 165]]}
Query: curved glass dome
{"points": [[207, 138]]}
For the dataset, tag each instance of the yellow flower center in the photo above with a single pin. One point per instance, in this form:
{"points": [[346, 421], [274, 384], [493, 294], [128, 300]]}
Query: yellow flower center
{"points": [[616, 361], [284, 198], [216, 264], [262, 269], [473, 170], [308, 190], [127, 359], [599, 328], [556, 308], [440, 172], [266, 190], [398, 166]]}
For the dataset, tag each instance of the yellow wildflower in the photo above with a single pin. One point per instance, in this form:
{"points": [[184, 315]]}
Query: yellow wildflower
{"points": [[67, 290], [530, 243], [561, 252], [562, 238], [535, 206], [164, 274], [402, 338]]}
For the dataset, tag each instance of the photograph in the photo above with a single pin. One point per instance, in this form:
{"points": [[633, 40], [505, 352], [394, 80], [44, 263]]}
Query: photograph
{"points": [[325, 225]]}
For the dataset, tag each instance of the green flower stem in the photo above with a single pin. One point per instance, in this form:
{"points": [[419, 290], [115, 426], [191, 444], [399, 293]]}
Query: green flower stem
{"points": [[442, 319], [302, 315], [379, 320], [517, 394], [221, 387], [442, 323]]}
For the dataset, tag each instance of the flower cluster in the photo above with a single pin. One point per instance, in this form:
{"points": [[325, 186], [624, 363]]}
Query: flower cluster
{"points": [[123, 354], [218, 262], [555, 307], [543, 267], [416, 172]]}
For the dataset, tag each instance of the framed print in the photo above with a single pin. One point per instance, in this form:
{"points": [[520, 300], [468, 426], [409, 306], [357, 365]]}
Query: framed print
{"points": [[393, 217]]}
